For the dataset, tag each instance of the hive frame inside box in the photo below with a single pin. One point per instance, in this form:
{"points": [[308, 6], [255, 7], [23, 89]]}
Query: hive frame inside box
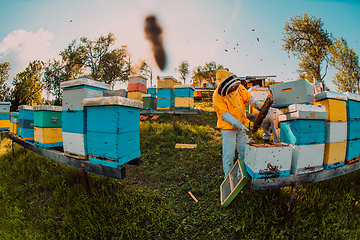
{"points": [[271, 160], [307, 158]]}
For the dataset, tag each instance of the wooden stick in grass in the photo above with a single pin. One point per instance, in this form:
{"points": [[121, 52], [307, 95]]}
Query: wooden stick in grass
{"points": [[193, 197]]}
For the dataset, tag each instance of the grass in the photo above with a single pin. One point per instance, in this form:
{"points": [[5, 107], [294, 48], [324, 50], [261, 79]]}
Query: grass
{"points": [[41, 199]]}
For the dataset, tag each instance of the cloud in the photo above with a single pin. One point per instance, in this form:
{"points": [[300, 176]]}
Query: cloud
{"points": [[21, 47]]}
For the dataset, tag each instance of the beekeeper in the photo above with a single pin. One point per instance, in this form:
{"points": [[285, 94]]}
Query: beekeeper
{"points": [[229, 101]]}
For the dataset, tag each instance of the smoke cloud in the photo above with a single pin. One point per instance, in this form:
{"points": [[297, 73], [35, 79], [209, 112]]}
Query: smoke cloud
{"points": [[153, 33]]}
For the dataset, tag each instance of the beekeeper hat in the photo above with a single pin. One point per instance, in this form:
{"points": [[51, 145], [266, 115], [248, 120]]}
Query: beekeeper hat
{"points": [[226, 80]]}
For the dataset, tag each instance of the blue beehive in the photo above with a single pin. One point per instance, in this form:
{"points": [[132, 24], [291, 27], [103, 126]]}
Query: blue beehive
{"points": [[26, 123], [113, 130], [74, 115], [165, 93], [302, 132], [167, 103], [152, 91], [184, 91]]}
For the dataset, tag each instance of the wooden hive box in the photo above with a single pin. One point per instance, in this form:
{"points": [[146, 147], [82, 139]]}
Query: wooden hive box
{"points": [[4, 120], [165, 93], [303, 111], [307, 158], [353, 129], [47, 116], [135, 95], [137, 87], [152, 91], [165, 103], [149, 102], [166, 82], [302, 132], [74, 115], [334, 155], [26, 123], [233, 183], [184, 102], [5, 106], [184, 91], [268, 160], [335, 104], [14, 123], [119, 92], [48, 137], [137, 79], [335, 132], [352, 106], [352, 150], [299, 91], [259, 93], [48, 126], [113, 130]]}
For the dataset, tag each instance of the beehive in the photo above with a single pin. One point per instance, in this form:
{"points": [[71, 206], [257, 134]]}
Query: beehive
{"points": [[352, 149], [48, 126], [184, 102], [113, 130], [335, 132], [302, 132], [303, 111], [165, 103], [307, 158], [137, 79], [5, 115], [132, 87], [74, 115], [152, 91], [26, 123], [299, 91], [353, 129], [335, 104], [268, 160], [165, 93], [166, 82], [184, 91], [149, 102], [135, 95], [334, 155], [352, 106], [14, 123]]}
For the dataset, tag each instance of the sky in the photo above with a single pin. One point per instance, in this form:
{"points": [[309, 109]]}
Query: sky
{"points": [[244, 36]]}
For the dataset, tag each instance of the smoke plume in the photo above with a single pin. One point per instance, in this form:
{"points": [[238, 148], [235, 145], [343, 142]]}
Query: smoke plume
{"points": [[153, 33]]}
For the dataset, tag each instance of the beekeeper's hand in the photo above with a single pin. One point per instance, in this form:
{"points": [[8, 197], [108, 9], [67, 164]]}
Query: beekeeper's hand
{"points": [[255, 103], [227, 117]]}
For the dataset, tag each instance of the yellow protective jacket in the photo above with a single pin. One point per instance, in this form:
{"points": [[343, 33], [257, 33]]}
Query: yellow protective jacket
{"points": [[234, 103]]}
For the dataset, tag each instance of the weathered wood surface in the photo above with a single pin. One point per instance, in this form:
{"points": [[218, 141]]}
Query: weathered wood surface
{"points": [[117, 173], [263, 112], [268, 183], [170, 111]]}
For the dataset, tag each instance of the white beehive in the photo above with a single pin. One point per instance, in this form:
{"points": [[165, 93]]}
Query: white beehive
{"points": [[307, 158]]}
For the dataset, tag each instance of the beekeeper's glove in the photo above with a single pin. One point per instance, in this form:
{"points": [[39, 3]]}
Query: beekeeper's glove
{"points": [[227, 117], [255, 103]]}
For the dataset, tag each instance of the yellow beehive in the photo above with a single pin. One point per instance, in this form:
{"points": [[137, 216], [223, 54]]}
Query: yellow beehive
{"points": [[48, 135], [5, 123], [336, 109], [334, 154], [135, 95], [184, 102], [166, 82], [14, 128]]}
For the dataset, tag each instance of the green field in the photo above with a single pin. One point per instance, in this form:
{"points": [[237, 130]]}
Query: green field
{"points": [[42, 199]]}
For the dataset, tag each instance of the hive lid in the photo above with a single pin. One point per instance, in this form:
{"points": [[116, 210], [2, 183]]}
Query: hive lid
{"points": [[25, 107], [305, 107], [47, 108], [5, 103], [168, 78], [185, 86], [258, 88], [16, 114], [332, 95], [147, 95], [84, 81], [353, 96], [138, 76], [114, 100]]}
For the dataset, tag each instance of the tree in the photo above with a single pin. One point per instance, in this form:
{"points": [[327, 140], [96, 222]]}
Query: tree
{"points": [[54, 74], [305, 37], [93, 52], [27, 86], [207, 72], [4, 76], [145, 68], [346, 61], [183, 69], [113, 66]]}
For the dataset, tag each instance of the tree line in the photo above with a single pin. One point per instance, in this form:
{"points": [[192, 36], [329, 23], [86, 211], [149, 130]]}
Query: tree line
{"points": [[304, 37]]}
